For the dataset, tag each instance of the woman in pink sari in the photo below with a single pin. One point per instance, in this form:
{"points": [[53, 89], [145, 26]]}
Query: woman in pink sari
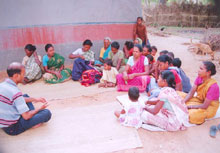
{"points": [[136, 72]]}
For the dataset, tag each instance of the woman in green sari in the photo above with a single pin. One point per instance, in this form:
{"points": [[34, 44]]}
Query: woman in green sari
{"points": [[54, 66]]}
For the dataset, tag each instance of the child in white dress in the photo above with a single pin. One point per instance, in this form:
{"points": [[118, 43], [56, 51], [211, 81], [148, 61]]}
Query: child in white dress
{"points": [[109, 75], [130, 115]]}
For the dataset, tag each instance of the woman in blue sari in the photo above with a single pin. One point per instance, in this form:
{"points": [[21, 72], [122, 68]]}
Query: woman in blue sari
{"points": [[104, 52]]}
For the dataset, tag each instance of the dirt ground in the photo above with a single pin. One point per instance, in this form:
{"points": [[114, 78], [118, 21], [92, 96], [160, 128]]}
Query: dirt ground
{"points": [[194, 139]]}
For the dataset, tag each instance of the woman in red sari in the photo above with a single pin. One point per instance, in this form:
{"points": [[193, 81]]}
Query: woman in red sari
{"points": [[136, 72]]}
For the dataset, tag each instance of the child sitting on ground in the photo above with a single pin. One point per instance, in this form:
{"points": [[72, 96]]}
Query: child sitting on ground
{"points": [[154, 52], [185, 79], [163, 52], [153, 89], [146, 50], [109, 75], [151, 65], [128, 49], [171, 55], [131, 114]]}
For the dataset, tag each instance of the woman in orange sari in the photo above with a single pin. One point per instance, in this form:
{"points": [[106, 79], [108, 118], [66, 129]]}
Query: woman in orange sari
{"points": [[205, 104], [136, 72]]}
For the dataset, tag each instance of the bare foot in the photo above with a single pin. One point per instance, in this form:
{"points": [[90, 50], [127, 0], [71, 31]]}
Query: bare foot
{"points": [[111, 84], [101, 85], [117, 114]]}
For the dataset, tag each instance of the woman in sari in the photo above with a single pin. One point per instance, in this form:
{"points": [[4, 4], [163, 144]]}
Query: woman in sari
{"points": [[205, 104], [104, 52], [167, 111], [32, 63], [136, 72], [54, 67]]}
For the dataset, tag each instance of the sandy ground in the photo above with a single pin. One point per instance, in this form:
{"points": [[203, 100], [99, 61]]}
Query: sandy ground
{"points": [[194, 139]]}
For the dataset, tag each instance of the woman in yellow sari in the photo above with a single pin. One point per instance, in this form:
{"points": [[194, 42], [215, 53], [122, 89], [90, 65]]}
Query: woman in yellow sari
{"points": [[205, 104]]}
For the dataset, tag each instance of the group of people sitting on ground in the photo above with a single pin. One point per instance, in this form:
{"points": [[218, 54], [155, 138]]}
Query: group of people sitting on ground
{"points": [[17, 110], [168, 107], [172, 101], [51, 67]]}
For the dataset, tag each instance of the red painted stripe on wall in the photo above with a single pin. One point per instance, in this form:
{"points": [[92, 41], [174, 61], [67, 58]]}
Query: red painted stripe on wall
{"points": [[15, 38]]}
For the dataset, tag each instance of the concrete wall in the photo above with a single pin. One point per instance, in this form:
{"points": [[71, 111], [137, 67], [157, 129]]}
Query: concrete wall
{"points": [[63, 23]]}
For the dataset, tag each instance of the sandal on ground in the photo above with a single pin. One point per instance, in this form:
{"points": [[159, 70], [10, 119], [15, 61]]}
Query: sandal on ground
{"points": [[213, 131]]}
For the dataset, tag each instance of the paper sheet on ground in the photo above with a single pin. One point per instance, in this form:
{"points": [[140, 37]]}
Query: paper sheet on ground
{"points": [[92, 129], [123, 99]]}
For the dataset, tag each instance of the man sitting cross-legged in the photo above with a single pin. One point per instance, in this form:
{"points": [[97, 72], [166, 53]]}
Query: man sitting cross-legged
{"points": [[17, 111]]}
